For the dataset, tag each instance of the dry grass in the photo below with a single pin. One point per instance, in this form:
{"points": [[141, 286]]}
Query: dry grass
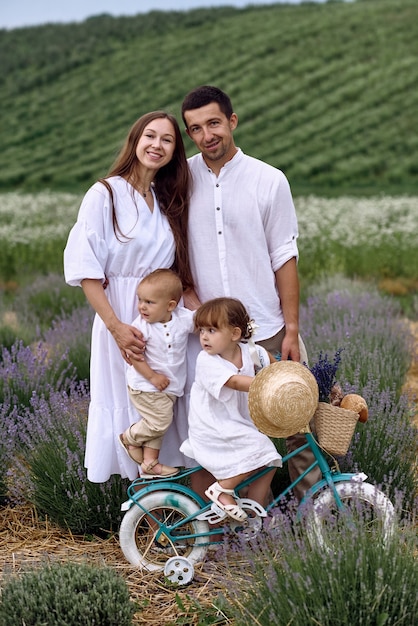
{"points": [[26, 542]]}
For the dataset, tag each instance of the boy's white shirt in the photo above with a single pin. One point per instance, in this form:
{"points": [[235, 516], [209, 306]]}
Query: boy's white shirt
{"points": [[165, 352]]}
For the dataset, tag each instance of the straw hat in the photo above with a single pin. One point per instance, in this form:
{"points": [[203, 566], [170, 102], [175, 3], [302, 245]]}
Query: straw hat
{"points": [[283, 398]]}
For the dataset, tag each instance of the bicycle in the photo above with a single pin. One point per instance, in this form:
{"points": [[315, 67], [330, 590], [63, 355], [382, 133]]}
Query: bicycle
{"points": [[166, 526]]}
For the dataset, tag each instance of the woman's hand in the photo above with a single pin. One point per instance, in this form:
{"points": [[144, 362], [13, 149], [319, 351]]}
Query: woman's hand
{"points": [[128, 338], [130, 342]]}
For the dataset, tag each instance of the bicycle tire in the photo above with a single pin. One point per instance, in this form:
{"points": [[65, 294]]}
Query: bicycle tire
{"points": [[137, 531], [368, 504]]}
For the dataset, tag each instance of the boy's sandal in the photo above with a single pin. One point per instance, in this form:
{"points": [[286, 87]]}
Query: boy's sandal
{"points": [[166, 470], [233, 510], [135, 453]]}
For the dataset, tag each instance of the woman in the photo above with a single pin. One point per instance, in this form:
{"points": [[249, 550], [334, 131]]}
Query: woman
{"points": [[129, 224]]}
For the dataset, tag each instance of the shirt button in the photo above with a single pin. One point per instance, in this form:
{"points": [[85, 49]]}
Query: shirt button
{"points": [[218, 208], [217, 184], [219, 232]]}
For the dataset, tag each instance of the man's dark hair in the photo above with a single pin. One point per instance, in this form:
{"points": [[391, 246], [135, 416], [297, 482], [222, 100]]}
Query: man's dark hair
{"points": [[206, 94]]}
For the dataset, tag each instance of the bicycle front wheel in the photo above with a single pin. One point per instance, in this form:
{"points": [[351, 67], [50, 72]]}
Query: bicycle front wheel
{"points": [[139, 536], [363, 504]]}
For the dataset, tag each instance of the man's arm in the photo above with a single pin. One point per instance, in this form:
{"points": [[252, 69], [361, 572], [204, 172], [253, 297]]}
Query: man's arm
{"points": [[287, 281]]}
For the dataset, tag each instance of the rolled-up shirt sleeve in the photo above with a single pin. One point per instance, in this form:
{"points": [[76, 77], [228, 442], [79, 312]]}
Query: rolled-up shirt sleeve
{"points": [[281, 224], [283, 254]]}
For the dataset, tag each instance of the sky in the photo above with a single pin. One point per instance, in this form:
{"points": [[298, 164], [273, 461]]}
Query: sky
{"points": [[20, 13]]}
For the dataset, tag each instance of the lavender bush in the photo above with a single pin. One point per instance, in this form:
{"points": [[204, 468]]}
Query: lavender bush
{"points": [[51, 473], [360, 582], [67, 594], [376, 353], [27, 371], [44, 412], [354, 317], [71, 335]]}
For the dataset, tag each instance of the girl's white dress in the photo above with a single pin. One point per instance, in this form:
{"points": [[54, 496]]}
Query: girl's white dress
{"points": [[222, 437], [93, 251]]}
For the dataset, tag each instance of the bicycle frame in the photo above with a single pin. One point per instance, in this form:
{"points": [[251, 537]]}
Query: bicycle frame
{"points": [[330, 477]]}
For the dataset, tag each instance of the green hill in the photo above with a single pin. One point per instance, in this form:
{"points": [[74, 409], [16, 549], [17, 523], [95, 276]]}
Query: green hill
{"points": [[326, 92]]}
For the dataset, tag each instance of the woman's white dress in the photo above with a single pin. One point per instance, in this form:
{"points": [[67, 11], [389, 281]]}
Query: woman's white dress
{"points": [[93, 251], [222, 437]]}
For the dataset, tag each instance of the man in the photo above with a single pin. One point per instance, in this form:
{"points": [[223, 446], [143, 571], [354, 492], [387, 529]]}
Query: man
{"points": [[242, 235]]}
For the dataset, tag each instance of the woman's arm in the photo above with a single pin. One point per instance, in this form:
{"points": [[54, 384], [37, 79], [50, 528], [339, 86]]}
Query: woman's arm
{"points": [[127, 337], [190, 299]]}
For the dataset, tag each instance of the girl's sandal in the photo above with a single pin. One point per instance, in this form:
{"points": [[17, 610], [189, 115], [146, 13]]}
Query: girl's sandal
{"points": [[233, 510], [135, 453], [166, 470]]}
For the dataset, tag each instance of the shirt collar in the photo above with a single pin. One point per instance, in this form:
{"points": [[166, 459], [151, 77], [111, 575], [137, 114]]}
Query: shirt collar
{"points": [[228, 165]]}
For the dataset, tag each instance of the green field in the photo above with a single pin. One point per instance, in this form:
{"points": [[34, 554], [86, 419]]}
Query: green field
{"points": [[326, 92]]}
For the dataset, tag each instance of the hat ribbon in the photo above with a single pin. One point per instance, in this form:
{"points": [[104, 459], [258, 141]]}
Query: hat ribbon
{"points": [[252, 326]]}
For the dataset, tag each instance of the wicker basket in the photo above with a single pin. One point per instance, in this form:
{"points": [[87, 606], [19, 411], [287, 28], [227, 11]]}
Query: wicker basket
{"points": [[334, 427]]}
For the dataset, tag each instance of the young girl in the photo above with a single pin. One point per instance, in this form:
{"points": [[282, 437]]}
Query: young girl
{"points": [[222, 437]]}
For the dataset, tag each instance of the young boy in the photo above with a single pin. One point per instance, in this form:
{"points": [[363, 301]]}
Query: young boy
{"points": [[155, 384]]}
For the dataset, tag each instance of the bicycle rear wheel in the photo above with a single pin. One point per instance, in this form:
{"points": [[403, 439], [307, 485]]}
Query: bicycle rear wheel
{"points": [[364, 504], [138, 533]]}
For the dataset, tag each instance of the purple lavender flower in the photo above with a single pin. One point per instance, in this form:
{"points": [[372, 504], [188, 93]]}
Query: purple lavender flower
{"points": [[325, 372]]}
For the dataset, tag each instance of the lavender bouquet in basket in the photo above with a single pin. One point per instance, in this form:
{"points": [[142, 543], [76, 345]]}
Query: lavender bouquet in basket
{"points": [[325, 372], [337, 414], [330, 391]]}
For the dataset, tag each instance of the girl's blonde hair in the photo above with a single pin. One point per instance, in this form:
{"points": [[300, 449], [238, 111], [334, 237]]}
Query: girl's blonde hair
{"points": [[221, 313]]}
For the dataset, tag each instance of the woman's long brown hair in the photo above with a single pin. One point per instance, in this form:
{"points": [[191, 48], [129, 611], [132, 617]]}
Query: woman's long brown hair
{"points": [[171, 185]]}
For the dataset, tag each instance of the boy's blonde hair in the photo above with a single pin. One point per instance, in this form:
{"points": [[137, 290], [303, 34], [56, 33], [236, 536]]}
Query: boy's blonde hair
{"points": [[167, 281], [221, 313]]}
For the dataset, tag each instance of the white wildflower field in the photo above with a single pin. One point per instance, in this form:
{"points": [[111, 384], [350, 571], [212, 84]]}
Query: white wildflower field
{"points": [[359, 221], [366, 237]]}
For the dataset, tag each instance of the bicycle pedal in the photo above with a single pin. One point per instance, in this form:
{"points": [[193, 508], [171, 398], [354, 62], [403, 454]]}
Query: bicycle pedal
{"points": [[252, 505], [213, 515]]}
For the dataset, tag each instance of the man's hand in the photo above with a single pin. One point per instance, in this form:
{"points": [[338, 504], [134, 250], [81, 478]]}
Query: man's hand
{"points": [[290, 347]]}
